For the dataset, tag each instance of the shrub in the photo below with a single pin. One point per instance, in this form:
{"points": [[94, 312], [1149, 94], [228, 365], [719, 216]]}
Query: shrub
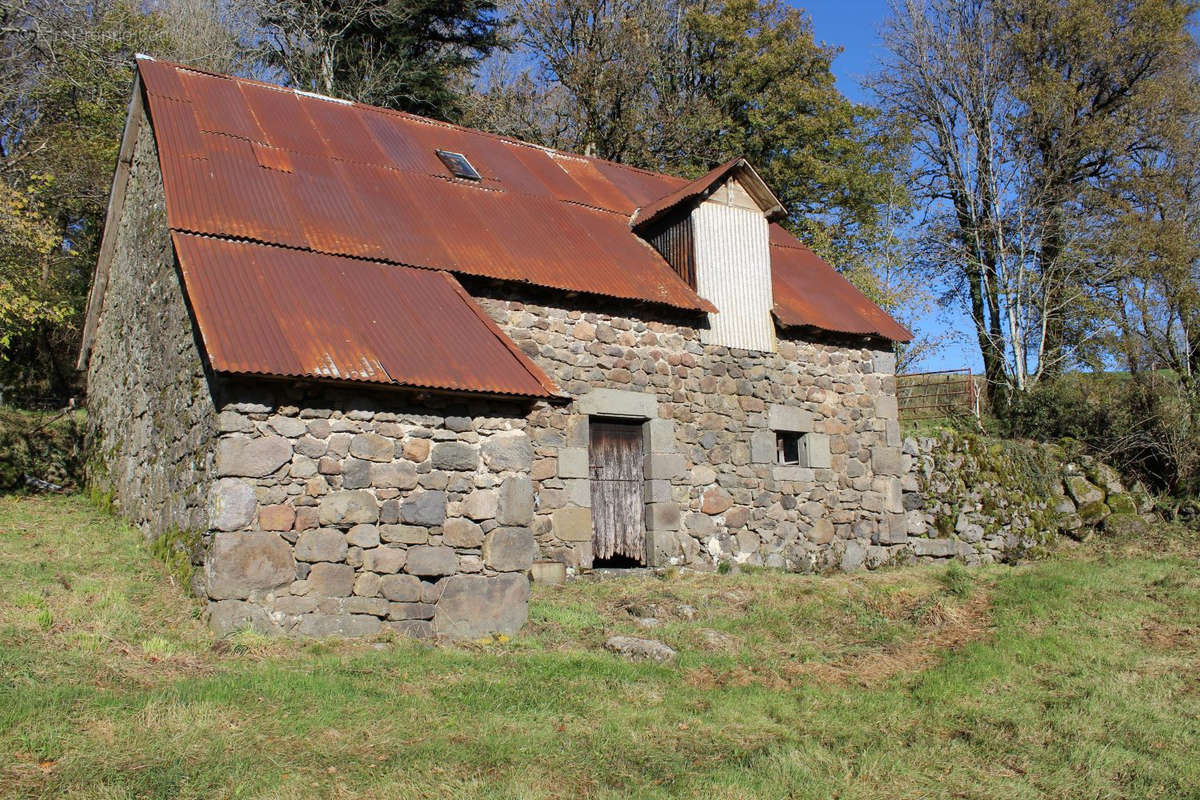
{"points": [[1145, 425]]}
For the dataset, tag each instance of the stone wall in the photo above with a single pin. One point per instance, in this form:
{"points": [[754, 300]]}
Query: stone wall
{"points": [[151, 419], [713, 489], [985, 500], [339, 512]]}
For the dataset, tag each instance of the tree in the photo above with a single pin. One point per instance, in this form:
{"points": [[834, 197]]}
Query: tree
{"points": [[405, 54], [1018, 112], [66, 68], [684, 85], [1089, 76]]}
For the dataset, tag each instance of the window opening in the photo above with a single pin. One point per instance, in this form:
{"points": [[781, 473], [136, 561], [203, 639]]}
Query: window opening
{"points": [[458, 165], [787, 446]]}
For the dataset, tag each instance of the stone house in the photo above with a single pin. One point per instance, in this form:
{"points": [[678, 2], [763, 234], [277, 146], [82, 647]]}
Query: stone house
{"points": [[369, 367]]}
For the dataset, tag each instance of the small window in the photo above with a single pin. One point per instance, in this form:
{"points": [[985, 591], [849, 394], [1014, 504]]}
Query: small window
{"points": [[458, 165], [787, 446]]}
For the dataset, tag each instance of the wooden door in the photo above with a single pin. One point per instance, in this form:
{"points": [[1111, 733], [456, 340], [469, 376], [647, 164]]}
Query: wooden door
{"points": [[615, 467]]}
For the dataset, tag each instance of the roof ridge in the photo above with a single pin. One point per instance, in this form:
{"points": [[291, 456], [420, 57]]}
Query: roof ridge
{"points": [[413, 117]]}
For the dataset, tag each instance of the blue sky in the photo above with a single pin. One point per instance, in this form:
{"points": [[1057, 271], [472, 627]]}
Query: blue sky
{"points": [[854, 26]]}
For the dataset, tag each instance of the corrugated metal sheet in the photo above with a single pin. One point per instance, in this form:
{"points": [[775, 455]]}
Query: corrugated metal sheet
{"points": [[243, 159], [268, 310], [733, 267], [676, 243], [808, 293], [701, 187], [367, 183]]}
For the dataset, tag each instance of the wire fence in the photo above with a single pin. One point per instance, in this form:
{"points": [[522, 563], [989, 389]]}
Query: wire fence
{"points": [[942, 394]]}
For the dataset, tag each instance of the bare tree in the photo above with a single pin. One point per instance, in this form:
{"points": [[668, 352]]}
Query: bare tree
{"points": [[1019, 110]]}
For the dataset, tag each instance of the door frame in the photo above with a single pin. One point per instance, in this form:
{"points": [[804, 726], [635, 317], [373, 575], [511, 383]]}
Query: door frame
{"points": [[662, 462]]}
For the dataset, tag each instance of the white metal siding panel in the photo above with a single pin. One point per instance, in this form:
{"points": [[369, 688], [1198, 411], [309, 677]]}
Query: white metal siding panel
{"points": [[733, 271]]}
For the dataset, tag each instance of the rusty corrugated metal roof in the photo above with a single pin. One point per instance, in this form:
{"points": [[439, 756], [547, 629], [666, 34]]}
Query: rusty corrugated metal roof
{"points": [[248, 160], [807, 292], [269, 310]]}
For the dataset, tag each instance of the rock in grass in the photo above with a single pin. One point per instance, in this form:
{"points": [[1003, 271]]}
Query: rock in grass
{"points": [[639, 649], [1125, 525]]}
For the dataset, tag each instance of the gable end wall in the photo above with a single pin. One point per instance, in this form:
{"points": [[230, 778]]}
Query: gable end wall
{"points": [[151, 419]]}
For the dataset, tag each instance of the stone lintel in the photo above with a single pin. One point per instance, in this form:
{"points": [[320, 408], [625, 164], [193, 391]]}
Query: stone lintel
{"points": [[789, 418], [618, 403]]}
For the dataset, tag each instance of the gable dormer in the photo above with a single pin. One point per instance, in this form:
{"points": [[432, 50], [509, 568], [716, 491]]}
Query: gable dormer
{"points": [[714, 232]]}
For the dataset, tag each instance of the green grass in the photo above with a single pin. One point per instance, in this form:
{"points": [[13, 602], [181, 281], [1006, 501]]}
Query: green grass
{"points": [[1075, 677]]}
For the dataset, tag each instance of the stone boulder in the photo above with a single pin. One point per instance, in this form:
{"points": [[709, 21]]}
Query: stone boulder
{"points": [[481, 504], [459, 532], [509, 450], [239, 564], [715, 501], [385, 560], [372, 447], [516, 501], [1126, 525], [1083, 491], [348, 508], [1093, 513], [252, 458], [637, 649], [474, 606], [321, 544], [431, 561], [455, 456], [349, 625], [1121, 503], [1106, 478], [401, 588], [331, 580], [227, 617], [424, 508]]}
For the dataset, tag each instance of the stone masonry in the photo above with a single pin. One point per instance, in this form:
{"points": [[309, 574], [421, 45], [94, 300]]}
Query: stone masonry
{"points": [[713, 489], [340, 513], [151, 416], [314, 509]]}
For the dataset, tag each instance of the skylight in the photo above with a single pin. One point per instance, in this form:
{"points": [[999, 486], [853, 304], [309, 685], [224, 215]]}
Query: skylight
{"points": [[458, 165]]}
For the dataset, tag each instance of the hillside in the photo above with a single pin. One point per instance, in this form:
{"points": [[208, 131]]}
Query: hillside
{"points": [[1076, 676]]}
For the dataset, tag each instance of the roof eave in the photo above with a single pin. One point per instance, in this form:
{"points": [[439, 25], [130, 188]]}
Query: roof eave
{"points": [[112, 219]]}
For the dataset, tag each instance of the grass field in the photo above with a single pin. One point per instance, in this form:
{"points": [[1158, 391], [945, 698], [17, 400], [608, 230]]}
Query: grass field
{"points": [[1075, 677]]}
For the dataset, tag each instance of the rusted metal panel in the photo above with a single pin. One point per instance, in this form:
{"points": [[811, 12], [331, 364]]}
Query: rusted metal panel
{"points": [[640, 186], [700, 188], [810, 293], [367, 183], [269, 310], [218, 103], [337, 198], [615, 470]]}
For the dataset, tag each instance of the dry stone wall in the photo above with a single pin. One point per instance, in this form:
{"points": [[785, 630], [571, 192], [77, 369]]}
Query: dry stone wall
{"points": [[337, 513], [151, 418], [985, 500]]}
